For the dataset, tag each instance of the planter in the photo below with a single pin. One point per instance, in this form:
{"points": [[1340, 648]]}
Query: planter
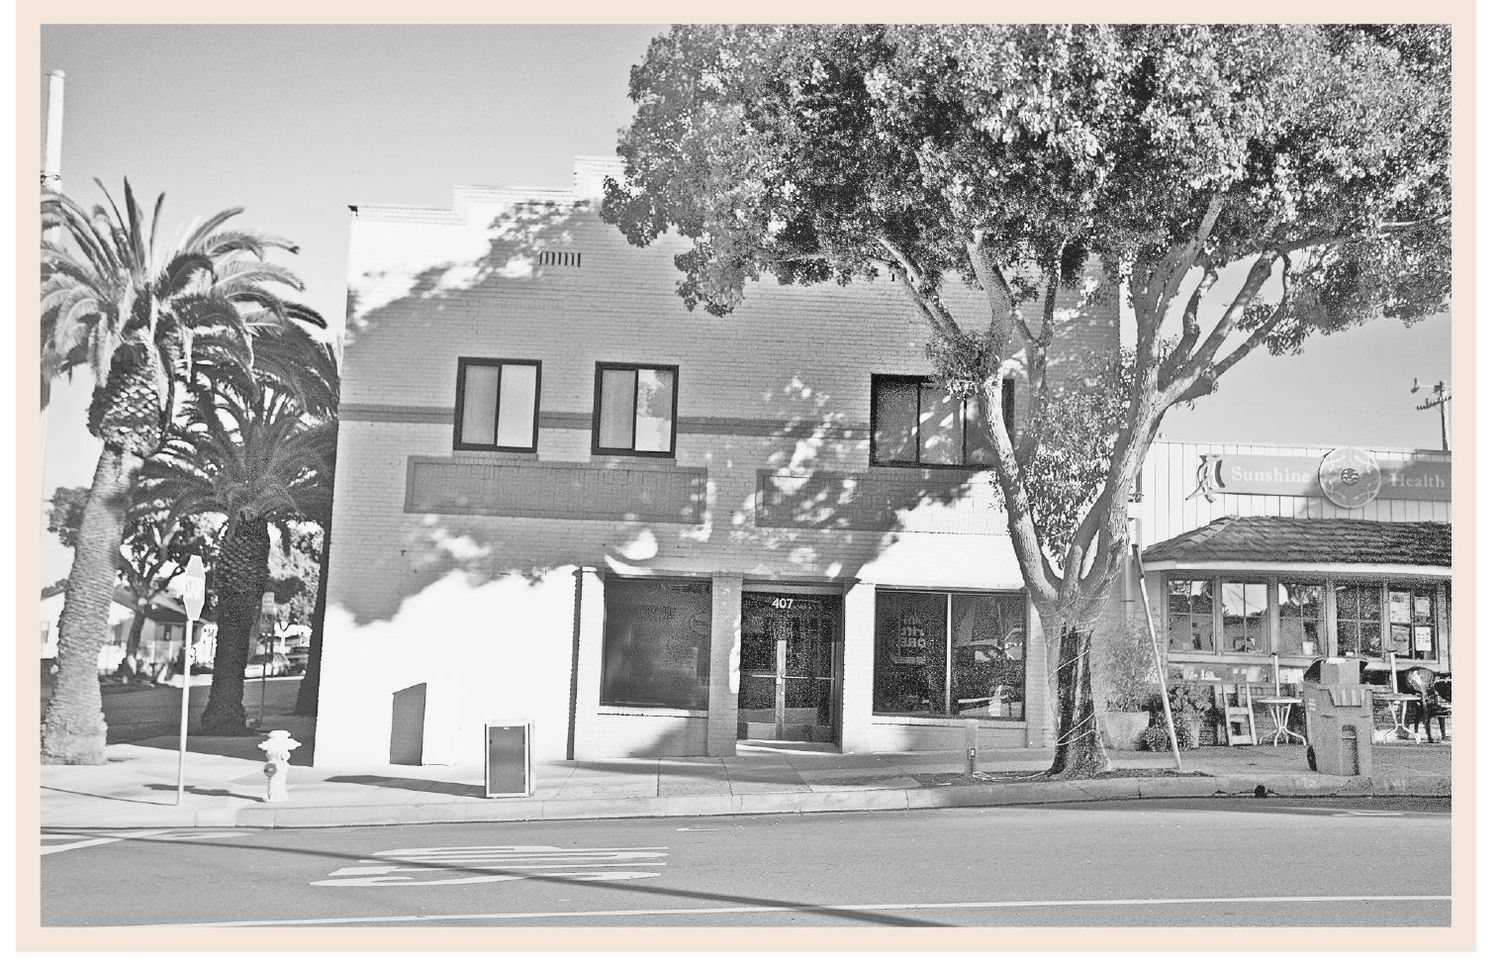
{"points": [[1121, 730]]}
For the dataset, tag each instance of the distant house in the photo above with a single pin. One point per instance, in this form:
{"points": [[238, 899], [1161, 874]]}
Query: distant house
{"points": [[161, 632]]}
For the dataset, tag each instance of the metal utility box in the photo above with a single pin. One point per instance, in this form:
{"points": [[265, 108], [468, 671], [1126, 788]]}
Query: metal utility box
{"points": [[507, 758], [1340, 728]]}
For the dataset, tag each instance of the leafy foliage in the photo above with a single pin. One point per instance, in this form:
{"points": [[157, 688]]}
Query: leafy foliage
{"points": [[1245, 186]]}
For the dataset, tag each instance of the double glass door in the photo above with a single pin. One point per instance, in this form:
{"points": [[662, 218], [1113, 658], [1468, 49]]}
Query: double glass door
{"points": [[787, 666]]}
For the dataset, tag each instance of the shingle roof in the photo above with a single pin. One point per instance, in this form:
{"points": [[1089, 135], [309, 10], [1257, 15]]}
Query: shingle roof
{"points": [[1311, 541]]}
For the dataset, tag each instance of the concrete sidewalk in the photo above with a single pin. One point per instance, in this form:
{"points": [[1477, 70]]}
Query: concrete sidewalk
{"points": [[225, 785]]}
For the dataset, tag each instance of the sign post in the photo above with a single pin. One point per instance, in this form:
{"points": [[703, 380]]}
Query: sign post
{"points": [[191, 587]]}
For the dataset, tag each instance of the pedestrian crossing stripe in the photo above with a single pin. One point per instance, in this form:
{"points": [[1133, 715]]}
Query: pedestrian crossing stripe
{"points": [[478, 864]]}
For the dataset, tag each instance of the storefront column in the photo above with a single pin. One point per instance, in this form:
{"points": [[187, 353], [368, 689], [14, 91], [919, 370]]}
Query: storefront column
{"points": [[723, 667], [858, 693], [589, 627]]}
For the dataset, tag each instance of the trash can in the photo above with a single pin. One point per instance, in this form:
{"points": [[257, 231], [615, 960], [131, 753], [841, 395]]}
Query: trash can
{"points": [[507, 758], [1340, 723]]}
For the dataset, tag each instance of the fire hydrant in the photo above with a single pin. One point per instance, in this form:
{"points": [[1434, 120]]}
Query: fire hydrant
{"points": [[278, 747]]}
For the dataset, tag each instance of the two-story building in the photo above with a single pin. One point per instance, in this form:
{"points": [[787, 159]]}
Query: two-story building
{"points": [[563, 496]]}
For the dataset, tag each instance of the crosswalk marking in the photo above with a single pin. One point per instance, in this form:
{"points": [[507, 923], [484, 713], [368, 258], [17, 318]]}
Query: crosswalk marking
{"points": [[476, 864]]}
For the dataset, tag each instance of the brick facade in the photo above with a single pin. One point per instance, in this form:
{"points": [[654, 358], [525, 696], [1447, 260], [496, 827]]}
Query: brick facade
{"points": [[483, 576]]}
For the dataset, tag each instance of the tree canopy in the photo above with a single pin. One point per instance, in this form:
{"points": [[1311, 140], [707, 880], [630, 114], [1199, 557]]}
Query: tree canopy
{"points": [[1246, 186]]}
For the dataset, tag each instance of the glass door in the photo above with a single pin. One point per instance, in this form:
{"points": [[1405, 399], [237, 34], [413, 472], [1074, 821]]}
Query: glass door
{"points": [[787, 649]]}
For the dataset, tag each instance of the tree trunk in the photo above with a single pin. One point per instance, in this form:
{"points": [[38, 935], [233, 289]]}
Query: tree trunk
{"points": [[137, 623], [240, 580], [73, 727], [307, 688], [1080, 750]]}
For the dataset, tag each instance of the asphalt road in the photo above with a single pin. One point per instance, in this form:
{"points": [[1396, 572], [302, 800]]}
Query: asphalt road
{"points": [[1202, 862]]}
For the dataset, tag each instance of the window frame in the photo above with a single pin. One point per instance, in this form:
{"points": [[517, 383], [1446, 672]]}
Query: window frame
{"points": [[1008, 411], [949, 598], [499, 363], [702, 669], [632, 452]]}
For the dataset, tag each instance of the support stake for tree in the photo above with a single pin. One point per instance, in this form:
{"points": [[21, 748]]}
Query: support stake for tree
{"points": [[1161, 674]]}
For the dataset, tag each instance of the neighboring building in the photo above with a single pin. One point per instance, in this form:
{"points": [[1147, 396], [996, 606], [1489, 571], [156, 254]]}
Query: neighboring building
{"points": [[1301, 552], [162, 628], [562, 496]]}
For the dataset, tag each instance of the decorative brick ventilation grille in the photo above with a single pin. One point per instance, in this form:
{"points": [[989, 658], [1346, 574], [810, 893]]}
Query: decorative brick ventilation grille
{"points": [[559, 259]]}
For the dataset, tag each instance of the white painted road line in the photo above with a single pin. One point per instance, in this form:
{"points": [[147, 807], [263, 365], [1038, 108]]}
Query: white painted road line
{"points": [[772, 909], [83, 842], [478, 864]]}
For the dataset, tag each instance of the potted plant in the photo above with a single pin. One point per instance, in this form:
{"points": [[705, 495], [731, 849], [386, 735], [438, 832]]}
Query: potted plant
{"points": [[1127, 679], [1190, 705]]}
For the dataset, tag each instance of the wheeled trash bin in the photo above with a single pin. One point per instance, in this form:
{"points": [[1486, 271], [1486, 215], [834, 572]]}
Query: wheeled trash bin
{"points": [[1340, 722]]}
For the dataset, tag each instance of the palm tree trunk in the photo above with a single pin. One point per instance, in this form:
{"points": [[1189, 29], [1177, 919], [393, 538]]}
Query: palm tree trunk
{"points": [[307, 688], [240, 579], [73, 727]]}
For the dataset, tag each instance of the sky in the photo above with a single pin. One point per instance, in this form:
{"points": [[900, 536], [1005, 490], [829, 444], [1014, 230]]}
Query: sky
{"points": [[296, 123]]}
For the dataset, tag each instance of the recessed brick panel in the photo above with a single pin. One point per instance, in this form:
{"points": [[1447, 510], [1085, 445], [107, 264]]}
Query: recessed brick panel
{"points": [[949, 502], [570, 491]]}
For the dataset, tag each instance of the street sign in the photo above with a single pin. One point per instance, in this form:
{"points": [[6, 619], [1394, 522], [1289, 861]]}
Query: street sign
{"points": [[193, 582]]}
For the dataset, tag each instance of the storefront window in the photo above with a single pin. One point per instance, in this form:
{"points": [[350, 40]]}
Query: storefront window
{"points": [[1358, 611], [656, 644], [1190, 616], [1413, 618], [972, 665], [1244, 608], [1300, 610], [1221, 673]]}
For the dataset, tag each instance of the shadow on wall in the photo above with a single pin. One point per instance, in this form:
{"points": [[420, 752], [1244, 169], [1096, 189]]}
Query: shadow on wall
{"points": [[792, 496]]}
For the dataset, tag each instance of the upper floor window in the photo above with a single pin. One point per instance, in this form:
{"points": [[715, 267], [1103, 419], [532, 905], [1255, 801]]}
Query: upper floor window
{"points": [[917, 421], [497, 404], [635, 409]]}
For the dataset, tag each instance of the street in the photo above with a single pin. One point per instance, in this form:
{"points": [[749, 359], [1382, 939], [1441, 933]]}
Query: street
{"points": [[1206, 862]]}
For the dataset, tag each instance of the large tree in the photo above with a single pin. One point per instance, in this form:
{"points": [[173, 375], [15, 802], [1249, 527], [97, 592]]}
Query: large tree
{"points": [[1246, 186], [138, 318], [260, 457]]}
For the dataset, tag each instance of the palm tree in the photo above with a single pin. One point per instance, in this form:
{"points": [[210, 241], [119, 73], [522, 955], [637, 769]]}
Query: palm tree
{"points": [[138, 319], [251, 452]]}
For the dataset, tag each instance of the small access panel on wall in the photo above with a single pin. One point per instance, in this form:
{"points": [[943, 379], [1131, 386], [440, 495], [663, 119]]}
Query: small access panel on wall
{"points": [[507, 758]]}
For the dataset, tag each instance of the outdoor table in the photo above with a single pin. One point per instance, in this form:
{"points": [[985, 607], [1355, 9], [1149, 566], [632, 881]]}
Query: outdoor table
{"points": [[1281, 711], [1395, 704]]}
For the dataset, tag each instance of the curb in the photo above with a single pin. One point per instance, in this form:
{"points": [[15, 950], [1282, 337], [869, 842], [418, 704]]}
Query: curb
{"points": [[805, 802]]}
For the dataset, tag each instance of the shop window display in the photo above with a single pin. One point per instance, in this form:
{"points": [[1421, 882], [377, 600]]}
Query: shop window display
{"points": [[1299, 610], [656, 644], [1412, 615], [1190, 616], [1357, 608], [950, 655], [1244, 607]]}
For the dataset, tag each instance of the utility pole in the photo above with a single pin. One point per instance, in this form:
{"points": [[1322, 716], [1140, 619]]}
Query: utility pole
{"points": [[1440, 400]]}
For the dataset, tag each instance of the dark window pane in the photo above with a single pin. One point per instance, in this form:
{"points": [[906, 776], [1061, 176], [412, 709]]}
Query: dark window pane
{"points": [[977, 447], [989, 656], [940, 426], [616, 409], [895, 428], [481, 390], [656, 643], [911, 632]]}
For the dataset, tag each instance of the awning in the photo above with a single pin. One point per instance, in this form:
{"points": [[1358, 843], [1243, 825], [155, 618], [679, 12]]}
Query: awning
{"points": [[1327, 544]]}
